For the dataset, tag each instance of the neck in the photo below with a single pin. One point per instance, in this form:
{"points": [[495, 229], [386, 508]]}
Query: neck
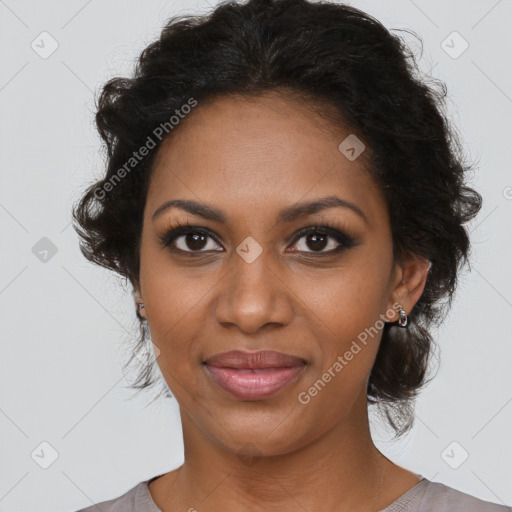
{"points": [[340, 470]]}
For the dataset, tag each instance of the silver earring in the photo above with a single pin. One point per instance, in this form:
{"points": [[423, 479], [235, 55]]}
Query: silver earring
{"points": [[402, 319], [140, 306]]}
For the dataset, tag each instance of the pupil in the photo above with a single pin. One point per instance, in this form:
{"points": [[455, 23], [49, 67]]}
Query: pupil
{"points": [[315, 238], [195, 240]]}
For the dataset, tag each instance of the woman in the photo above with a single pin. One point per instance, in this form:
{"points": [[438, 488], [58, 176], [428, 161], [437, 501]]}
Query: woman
{"points": [[288, 202]]}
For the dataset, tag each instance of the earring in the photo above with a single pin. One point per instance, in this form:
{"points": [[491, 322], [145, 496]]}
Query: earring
{"points": [[402, 319], [140, 307]]}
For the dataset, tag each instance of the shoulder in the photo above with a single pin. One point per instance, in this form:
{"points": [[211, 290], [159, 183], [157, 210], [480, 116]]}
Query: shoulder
{"points": [[135, 499], [440, 497]]}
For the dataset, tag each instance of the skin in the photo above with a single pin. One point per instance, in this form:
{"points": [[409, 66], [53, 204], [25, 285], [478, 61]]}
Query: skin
{"points": [[251, 159]]}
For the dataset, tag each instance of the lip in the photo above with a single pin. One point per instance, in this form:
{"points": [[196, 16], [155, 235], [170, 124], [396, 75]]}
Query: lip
{"points": [[253, 375], [253, 360]]}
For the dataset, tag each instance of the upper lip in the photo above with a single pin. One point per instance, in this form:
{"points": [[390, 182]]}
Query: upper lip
{"points": [[260, 359]]}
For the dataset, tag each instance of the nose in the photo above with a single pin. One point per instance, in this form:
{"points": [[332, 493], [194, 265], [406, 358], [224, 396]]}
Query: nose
{"points": [[254, 296]]}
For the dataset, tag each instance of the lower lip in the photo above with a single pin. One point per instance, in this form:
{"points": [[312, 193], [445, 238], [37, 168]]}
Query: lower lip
{"points": [[257, 384]]}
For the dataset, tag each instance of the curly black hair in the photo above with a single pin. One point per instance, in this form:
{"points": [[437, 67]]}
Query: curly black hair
{"points": [[331, 55]]}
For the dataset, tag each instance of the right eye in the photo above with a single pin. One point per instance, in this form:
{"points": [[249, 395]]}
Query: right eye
{"points": [[189, 239]]}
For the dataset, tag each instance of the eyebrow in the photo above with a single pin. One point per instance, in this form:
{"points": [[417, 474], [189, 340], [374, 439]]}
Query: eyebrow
{"points": [[288, 214]]}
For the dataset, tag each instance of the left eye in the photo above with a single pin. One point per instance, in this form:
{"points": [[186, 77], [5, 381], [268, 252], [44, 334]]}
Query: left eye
{"points": [[322, 240]]}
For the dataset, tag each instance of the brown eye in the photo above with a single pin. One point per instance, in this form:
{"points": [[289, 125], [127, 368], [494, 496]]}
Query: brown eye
{"points": [[192, 241], [322, 240], [189, 239], [316, 241]]}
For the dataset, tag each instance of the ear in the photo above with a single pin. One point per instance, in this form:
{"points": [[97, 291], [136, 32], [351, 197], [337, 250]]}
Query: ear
{"points": [[410, 277]]}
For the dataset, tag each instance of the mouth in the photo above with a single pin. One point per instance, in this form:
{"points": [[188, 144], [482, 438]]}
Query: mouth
{"points": [[254, 375]]}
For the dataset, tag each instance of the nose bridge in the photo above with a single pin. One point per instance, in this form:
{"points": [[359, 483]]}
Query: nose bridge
{"points": [[252, 295]]}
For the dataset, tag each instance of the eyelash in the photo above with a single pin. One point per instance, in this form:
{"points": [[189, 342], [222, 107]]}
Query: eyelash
{"points": [[328, 229]]}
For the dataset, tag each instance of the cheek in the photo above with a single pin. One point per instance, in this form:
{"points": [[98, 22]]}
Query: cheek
{"points": [[346, 316], [175, 306], [175, 331], [172, 295], [338, 378], [346, 300]]}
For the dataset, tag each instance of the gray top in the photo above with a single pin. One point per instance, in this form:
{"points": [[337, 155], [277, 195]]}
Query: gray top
{"points": [[425, 496]]}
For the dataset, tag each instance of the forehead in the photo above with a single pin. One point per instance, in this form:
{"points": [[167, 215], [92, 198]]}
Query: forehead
{"points": [[259, 152]]}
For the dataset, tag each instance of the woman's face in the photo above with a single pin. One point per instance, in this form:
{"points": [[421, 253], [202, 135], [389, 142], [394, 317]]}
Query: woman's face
{"points": [[250, 282]]}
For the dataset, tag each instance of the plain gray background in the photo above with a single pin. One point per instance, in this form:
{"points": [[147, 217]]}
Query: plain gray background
{"points": [[66, 323]]}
